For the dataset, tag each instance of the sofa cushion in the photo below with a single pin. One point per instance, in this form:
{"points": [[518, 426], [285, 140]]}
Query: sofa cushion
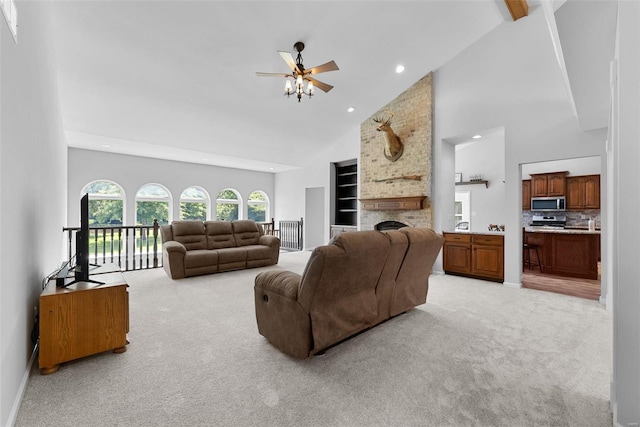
{"points": [[246, 232], [257, 252], [232, 255], [190, 234], [200, 258], [219, 235]]}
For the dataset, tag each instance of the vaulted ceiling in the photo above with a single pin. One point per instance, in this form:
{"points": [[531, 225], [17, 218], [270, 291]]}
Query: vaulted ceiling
{"points": [[176, 79]]}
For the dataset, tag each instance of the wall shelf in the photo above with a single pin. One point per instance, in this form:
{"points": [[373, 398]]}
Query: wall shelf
{"points": [[485, 182], [394, 203]]}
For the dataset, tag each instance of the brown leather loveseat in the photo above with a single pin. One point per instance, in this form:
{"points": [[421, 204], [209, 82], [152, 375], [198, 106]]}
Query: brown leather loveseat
{"points": [[358, 280], [191, 248]]}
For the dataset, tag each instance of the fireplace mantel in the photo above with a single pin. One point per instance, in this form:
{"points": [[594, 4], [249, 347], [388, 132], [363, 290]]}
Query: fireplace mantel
{"points": [[393, 203]]}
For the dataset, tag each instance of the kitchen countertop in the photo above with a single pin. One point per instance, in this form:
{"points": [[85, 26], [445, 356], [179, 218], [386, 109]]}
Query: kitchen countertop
{"points": [[498, 233], [559, 230]]}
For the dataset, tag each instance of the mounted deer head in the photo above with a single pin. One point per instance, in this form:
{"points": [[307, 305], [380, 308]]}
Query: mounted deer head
{"points": [[393, 146]]}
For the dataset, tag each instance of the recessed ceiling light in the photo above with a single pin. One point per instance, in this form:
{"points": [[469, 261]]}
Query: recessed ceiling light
{"points": [[399, 69], [270, 169], [205, 159], [351, 109], [476, 136], [105, 145]]}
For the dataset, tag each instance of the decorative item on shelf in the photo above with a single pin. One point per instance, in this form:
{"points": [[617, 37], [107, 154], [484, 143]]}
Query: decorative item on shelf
{"points": [[474, 178], [299, 74], [458, 177], [393, 146], [496, 227]]}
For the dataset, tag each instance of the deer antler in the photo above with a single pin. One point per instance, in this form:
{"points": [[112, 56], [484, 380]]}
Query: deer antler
{"points": [[380, 120]]}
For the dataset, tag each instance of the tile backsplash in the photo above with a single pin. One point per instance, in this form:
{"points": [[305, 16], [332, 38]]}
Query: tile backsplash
{"points": [[574, 218]]}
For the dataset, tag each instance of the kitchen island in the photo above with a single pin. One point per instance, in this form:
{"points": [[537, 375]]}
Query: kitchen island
{"points": [[565, 252]]}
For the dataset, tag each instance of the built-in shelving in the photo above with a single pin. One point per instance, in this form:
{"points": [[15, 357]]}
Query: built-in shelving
{"points": [[346, 193], [485, 182]]}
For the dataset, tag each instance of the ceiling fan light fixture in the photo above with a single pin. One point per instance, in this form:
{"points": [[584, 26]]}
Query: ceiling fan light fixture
{"points": [[299, 74]]}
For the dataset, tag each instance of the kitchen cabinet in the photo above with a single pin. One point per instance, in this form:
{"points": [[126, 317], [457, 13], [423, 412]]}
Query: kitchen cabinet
{"points": [[548, 184], [474, 255], [583, 192], [526, 195], [567, 253]]}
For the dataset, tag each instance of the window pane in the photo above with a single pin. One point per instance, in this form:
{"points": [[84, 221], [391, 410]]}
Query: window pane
{"points": [[152, 190], [191, 210], [257, 196], [194, 193], [226, 211], [228, 195], [105, 212], [146, 212], [104, 187], [257, 213]]}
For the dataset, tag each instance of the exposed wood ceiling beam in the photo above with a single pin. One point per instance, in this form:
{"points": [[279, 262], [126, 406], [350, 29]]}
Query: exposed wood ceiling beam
{"points": [[517, 8]]}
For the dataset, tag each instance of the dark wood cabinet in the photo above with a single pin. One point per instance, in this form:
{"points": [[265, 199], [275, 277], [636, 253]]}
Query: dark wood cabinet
{"points": [[346, 193], [457, 253], [567, 254], [474, 255], [548, 184], [526, 195], [583, 192]]}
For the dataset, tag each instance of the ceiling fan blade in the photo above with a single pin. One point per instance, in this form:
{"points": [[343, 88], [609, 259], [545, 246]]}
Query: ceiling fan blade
{"points": [[329, 66], [320, 85], [289, 60], [259, 74]]}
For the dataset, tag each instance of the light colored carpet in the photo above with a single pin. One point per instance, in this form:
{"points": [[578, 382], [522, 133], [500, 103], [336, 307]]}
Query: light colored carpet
{"points": [[477, 354]]}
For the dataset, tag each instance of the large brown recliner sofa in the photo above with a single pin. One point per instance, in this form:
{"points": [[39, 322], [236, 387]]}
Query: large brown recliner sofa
{"points": [[191, 248], [358, 280]]}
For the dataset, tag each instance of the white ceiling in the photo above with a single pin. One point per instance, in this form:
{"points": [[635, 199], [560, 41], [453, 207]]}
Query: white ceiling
{"points": [[176, 79]]}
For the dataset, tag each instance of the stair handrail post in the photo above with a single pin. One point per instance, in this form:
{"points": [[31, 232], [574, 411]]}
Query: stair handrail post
{"points": [[155, 243]]}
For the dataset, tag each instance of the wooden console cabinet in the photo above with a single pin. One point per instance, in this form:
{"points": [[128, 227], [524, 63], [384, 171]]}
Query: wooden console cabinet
{"points": [[83, 319], [474, 255]]}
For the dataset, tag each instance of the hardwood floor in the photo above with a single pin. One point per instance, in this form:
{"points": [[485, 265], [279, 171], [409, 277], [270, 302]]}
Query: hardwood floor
{"points": [[583, 288]]}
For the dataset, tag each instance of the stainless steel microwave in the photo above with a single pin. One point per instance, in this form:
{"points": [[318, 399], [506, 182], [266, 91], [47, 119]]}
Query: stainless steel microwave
{"points": [[548, 203]]}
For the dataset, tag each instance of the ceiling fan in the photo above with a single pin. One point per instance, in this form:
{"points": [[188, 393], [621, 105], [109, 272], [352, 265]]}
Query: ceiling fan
{"points": [[299, 74]]}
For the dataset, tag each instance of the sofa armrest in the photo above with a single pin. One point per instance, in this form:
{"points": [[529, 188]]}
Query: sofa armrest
{"points": [[173, 259], [280, 317], [173, 246], [271, 241], [284, 283]]}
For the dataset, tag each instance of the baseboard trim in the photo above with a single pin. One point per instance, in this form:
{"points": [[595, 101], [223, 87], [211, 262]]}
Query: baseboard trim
{"points": [[23, 387], [512, 285], [603, 300], [614, 410], [438, 272]]}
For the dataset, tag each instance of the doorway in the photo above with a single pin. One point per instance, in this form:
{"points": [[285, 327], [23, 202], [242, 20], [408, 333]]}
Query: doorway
{"points": [[314, 217]]}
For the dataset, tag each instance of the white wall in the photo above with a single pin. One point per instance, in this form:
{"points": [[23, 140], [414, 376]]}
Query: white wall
{"points": [[575, 167], [625, 151], [33, 169], [290, 186], [485, 157], [133, 172]]}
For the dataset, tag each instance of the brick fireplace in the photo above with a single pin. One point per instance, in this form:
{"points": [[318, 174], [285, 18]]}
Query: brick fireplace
{"points": [[389, 190]]}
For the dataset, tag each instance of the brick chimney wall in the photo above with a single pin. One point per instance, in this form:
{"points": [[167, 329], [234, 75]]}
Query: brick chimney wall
{"points": [[412, 122]]}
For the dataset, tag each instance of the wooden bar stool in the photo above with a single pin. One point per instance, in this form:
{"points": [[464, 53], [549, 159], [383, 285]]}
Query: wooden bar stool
{"points": [[526, 252]]}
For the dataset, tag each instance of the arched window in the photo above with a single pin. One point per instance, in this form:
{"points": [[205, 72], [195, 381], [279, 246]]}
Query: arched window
{"points": [[194, 203], [228, 205], [152, 202], [258, 206], [106, 203]]}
